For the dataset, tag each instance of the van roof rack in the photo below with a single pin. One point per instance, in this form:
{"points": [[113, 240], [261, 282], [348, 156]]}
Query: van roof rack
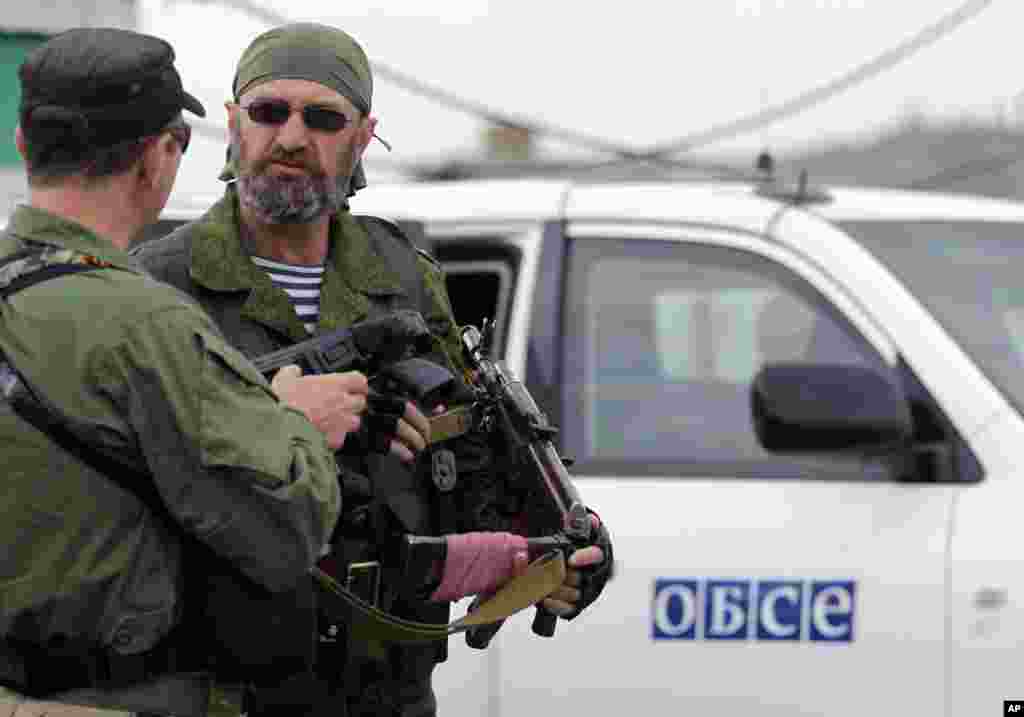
{"points": [[771, 186]]}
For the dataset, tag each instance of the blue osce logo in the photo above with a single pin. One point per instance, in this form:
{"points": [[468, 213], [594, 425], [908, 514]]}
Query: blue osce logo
{"points": [[768, 610]]}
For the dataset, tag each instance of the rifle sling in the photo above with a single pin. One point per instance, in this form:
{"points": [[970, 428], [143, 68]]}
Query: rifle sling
{"points": [[367, 622], [451, 424]]}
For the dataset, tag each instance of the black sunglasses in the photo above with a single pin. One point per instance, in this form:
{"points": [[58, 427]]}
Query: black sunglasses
{"points": [[276, 112], [182, 134]]}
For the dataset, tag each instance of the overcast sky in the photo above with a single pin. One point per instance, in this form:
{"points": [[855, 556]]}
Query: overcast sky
{"points": [[636, 73]]}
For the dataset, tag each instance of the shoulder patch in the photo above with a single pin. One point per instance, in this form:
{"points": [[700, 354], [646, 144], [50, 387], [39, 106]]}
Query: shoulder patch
{"points": [[35, 258]]}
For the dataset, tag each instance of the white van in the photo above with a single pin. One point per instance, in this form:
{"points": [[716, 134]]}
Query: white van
{"points": [[876, 567]]}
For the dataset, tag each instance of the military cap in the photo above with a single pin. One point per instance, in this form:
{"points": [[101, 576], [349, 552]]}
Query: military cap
{"points": [[96, 87]]}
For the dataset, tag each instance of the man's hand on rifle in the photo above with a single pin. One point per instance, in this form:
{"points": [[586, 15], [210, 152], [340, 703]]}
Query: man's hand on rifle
{"points": [[333, 402], [479, 563], [588, 569], [411, 435]]}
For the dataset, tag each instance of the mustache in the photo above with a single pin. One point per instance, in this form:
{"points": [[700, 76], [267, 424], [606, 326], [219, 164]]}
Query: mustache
{"points": [[295, 159]]}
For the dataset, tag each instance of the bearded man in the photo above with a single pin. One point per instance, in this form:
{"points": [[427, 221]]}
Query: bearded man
{"points": [[280, 258]]}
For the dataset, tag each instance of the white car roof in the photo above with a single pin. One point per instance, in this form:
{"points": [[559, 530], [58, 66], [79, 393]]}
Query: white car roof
{"points": [[723, 203], [734, 203], [851, 203]]}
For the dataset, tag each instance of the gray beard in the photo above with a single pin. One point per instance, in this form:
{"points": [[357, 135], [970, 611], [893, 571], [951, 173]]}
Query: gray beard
{"points": [[291, 200]]}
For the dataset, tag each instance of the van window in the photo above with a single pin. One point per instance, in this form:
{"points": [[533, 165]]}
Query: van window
{"points": [[968, 275], [480, 276], [663, 347]]}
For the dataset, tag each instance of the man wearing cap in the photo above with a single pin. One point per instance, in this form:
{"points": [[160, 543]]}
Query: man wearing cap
{"points": [[136, 440], [279, 258]]}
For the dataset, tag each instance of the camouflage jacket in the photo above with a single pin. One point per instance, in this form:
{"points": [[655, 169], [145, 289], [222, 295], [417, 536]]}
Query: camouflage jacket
{"points": [[139, 371]]}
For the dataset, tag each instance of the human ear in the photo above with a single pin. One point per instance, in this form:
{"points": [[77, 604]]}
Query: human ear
{"points": [[232, 110], [366, 129], [19, 142], [160, 157]]}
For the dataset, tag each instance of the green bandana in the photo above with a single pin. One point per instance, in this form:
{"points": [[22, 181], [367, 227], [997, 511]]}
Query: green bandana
{"points": [[306, 51]]}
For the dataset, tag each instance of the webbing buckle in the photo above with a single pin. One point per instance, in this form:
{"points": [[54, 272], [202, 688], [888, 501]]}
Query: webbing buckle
{"points": [[363, 581]]}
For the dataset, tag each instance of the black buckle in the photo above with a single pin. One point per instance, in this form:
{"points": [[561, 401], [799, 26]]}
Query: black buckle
{"points": [[363, 581], [443, 470]]}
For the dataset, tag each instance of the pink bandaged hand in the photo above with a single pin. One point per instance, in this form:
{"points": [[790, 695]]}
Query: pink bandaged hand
{"points": [[480, 563]]}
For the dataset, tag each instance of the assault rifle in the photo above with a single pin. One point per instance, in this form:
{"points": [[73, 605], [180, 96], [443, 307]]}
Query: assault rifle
{"points": [[559, 520], [387, 349], [364, 346]]}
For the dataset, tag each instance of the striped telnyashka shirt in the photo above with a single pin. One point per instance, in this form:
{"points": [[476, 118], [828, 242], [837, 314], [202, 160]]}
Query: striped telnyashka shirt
{"points": [[301, 283]]}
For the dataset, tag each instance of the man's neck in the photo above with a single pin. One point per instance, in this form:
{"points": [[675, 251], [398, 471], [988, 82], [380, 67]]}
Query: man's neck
{"points": [[103, 211], [300, 244]]}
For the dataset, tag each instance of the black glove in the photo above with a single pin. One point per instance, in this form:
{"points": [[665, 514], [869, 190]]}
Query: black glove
{"points": [[593, 578]]}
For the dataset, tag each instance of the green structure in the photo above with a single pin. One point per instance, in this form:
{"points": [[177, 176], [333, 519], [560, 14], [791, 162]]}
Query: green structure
{"points": [[13, 48]]}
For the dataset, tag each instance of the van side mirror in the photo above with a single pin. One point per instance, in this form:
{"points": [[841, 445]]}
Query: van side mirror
{"points": [[823, 408]]}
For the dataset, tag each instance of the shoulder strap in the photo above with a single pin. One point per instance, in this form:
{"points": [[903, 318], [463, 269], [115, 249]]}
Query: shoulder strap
{"points": [[413, 237], [40, 275], [27, 404], [48, 420]]}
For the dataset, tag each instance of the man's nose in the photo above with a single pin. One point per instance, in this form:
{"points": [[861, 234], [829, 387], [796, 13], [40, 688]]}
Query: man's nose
{"points": [[293, 134]]}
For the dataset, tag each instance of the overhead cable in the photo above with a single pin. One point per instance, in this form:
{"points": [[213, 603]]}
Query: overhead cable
{"points": [[450, 99], [816, 95], [661, 153]]}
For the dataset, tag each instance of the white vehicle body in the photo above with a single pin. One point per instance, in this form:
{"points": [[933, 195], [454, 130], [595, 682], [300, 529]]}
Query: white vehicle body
{"points": [[745, 584]]}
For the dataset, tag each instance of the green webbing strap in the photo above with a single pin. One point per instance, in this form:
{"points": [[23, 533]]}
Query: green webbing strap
{"points": [[451, 424], [369, 623]]}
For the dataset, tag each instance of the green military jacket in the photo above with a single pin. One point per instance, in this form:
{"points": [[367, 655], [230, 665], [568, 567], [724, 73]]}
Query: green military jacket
{"points": [[143, 373]]}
